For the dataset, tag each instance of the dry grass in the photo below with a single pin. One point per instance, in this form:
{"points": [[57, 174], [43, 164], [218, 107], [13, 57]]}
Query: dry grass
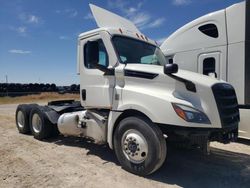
{"points": [[43, 97]]}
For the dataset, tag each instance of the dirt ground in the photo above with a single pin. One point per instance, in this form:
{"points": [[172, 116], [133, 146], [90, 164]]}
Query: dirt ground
{"points": [[74, 162]]}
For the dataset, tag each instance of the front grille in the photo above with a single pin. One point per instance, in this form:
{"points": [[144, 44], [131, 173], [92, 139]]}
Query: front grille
{"points": [[227, 104]]}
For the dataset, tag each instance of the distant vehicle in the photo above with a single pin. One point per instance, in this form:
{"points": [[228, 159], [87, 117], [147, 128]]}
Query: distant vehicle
{"points": [[132, 99], [217, 44]]}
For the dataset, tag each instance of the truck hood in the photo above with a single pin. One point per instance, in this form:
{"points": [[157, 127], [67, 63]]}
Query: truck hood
{"points": [[148, 86], [197, 79]]}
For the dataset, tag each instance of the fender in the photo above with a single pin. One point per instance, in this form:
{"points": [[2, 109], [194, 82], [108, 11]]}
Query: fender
{"points": [[51, 114], [116, 116]]}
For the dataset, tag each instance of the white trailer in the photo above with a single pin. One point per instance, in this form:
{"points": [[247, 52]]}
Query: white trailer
{"points": [[132, 99], [217, 44]]}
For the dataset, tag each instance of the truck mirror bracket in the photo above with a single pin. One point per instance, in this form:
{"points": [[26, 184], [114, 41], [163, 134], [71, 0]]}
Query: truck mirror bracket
{"points": [[109, 72], [190, 86]]}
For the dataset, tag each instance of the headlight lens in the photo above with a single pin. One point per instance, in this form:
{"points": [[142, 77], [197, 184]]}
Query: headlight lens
{"points": [[190, 114]]}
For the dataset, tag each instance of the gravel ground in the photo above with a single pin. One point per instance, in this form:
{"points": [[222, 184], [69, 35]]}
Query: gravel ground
{"points": [[75, 162]]}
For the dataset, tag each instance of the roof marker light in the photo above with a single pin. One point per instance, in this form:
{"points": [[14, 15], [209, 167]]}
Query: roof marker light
{"points": [[142, 37], [137, 35]]}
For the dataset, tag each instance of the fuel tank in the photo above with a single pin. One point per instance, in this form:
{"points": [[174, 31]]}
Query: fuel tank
{"points": [[84, 124], [69, 124]]}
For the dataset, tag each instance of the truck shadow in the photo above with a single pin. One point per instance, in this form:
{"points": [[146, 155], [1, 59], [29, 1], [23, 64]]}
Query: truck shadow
{"points": [[243, 141], [102, 151], [189, 168], [185, 168]]}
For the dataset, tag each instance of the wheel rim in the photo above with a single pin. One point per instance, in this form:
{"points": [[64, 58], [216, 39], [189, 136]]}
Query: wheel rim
{"points": [[36, 123], [134, 146], [20, 119]]}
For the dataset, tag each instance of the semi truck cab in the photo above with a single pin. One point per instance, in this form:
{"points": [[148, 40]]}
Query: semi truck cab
{"points": [[132, 99], [217, 44]]}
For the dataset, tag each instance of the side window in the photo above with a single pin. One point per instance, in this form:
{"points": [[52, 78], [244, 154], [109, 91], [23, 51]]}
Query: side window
{"points": [[103, 55], [210, 30], [150, 59], [209, 65]]}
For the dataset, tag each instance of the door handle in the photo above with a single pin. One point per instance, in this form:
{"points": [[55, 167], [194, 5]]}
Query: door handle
{"points": [[84, 94]]}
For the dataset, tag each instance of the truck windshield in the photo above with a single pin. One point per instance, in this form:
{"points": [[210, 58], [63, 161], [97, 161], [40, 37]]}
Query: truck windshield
{"points": [[138, 52]]}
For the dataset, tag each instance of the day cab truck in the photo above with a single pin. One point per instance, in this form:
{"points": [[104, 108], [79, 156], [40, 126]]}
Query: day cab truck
{"points": [[217, 44], [132, 99]]}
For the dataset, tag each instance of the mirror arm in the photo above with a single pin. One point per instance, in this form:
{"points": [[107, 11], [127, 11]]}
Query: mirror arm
{"points": [[190, 86], [107, 71], [100, 67]]}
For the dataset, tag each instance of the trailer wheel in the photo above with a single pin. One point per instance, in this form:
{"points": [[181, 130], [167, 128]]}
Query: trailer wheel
{"points": [[139, 145], [22, 118], [40, 125]]}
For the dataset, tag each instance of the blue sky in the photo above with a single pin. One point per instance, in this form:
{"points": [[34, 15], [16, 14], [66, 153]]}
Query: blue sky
{"points": [[38, 37]]}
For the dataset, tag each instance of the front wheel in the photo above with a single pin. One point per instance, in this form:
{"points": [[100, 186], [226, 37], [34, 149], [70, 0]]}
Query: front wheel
{"points": [[139, 145]]}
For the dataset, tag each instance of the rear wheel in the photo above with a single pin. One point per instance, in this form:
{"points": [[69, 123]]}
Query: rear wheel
{"points": [[22, 117], [139, 145], [40, 125]]}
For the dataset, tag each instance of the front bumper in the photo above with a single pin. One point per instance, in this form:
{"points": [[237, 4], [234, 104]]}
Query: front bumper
{"points": [[223, 135]]}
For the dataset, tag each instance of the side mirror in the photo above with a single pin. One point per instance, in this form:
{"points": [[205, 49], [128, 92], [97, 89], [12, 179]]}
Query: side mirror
{"points": [[170, 68], [92, 52]]}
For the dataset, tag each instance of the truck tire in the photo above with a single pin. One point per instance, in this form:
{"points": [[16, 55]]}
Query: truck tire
{"points": [[139, 145], [22, 117], [40, 125]]}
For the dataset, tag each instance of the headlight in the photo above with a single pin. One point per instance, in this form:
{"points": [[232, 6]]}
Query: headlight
{"points": [[190, 114]]}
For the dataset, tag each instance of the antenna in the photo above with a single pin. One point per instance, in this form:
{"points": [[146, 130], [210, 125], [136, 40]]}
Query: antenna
{"points": [[6, 78]]}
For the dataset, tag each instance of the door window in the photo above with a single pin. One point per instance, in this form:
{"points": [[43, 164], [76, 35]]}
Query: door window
{"points": [[103, 55], [209, 65]]}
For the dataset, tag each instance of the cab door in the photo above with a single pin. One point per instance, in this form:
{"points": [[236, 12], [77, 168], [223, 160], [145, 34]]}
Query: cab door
{"points": [[96, 87], [209, 64]]}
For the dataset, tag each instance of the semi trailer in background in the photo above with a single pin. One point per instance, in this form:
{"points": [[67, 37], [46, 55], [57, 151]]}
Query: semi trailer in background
{"points": [[218, 45], [132, 99]]}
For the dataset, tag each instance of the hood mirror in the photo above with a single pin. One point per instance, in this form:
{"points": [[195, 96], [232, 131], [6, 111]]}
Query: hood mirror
{"points": [[170, 68]]}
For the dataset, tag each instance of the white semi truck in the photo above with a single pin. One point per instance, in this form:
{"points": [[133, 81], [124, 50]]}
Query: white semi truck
{"points": [[217, 44], [132, 99]]}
